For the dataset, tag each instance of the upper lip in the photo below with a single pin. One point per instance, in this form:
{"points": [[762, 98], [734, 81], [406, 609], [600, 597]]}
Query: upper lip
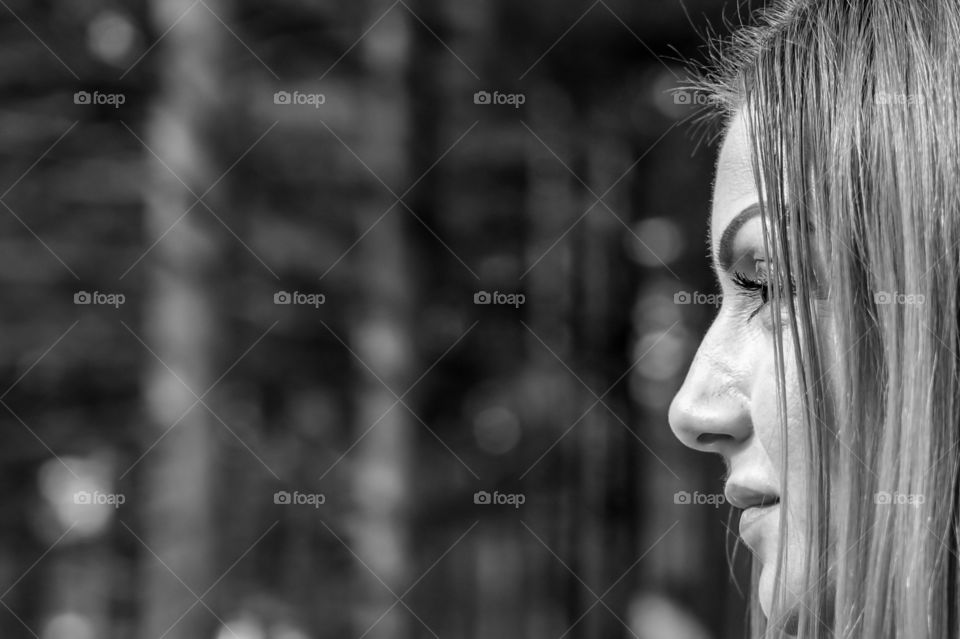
{"points": [[744, 496]]}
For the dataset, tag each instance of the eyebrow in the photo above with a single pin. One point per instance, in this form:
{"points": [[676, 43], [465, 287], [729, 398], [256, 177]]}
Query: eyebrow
{"points": [[725, 250]]}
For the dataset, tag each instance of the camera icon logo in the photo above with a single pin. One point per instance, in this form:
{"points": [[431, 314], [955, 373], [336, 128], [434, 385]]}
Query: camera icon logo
{"points": [[281, 97], [82, 297], [482, 97], [482, 297], [681, 297], [282, 297], [82, 497], [681, 497], [882, 497], [881, 297], [481, 497], [81, 97], [681, 97], [282, 497]]}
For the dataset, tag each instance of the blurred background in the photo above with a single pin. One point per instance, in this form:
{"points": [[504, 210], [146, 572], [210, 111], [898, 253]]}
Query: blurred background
{"points": [[355, 319]]}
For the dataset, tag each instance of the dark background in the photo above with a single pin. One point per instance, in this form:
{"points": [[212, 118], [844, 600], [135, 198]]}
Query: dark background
{"points": [[198, 400]]}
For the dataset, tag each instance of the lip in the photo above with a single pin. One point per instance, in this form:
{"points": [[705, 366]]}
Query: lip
{"points": [[753, 493], [756, 521], [744, 493]]}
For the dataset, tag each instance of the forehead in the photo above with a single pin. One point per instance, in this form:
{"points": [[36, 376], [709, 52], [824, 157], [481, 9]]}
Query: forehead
{"points": [[734, 188]]}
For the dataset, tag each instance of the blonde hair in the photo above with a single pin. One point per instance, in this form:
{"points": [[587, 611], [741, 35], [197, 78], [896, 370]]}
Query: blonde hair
{"points": [[854, 110]]}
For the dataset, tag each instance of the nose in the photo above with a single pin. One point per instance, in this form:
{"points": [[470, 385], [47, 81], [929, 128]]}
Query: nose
{"points": [[711, 411]]}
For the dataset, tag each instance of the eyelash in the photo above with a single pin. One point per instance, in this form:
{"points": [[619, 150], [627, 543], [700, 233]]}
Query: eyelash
{"points": [[756, 289]]}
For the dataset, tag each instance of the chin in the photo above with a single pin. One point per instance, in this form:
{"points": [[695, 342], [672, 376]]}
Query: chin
{"points": [[765, 589], [765, 595]]}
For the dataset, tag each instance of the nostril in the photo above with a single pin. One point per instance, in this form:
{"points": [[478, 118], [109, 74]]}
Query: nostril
{"points": [[706, 439]]}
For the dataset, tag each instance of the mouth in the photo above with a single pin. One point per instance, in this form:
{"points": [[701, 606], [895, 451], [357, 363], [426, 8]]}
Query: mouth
{"points": [[754, 514], [760, 505], [758, 527]]}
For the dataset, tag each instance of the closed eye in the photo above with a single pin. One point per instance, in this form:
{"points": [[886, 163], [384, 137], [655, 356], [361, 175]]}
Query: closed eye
{"points": [[755, 289]]}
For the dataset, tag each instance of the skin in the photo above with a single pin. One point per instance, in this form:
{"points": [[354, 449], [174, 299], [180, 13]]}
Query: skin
{"points": [[728, 402]]}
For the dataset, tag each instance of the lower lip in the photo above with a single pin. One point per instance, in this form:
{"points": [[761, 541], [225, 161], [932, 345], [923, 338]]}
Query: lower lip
{"points": [[751, 520]]}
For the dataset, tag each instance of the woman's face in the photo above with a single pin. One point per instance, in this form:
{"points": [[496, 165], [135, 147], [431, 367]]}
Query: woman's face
{"points": [[728, 402]]}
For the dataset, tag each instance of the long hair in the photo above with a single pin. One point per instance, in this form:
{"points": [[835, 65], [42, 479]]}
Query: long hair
{"points": [[854, 112]]}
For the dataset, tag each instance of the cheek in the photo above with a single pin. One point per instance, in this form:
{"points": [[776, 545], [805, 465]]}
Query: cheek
{"points": [[767, 415], [780, 446]]}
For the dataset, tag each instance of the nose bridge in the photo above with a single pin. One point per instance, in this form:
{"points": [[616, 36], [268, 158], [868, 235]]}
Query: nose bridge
{"points": [[711, 409]]}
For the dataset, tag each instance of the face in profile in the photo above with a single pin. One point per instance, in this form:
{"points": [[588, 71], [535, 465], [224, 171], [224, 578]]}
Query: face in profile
{"points": [[728, 402]]}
